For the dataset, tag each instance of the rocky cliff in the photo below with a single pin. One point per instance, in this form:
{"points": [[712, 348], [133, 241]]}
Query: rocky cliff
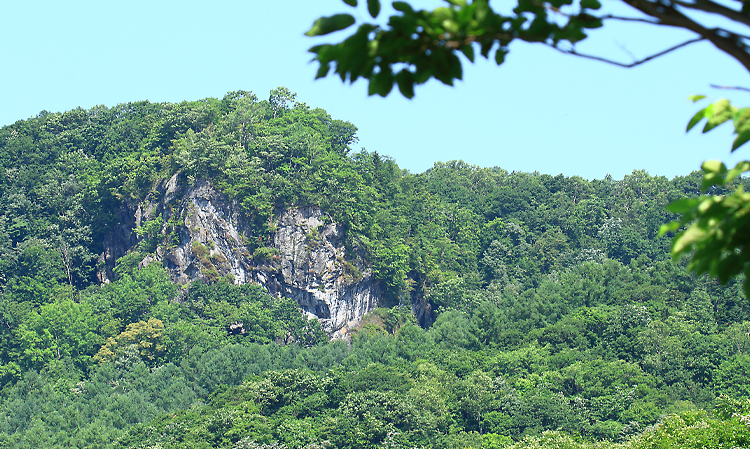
{"points": [[209, 232]]}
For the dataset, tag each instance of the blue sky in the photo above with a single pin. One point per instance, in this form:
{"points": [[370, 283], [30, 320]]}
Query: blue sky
{"points": [[540, 111]]}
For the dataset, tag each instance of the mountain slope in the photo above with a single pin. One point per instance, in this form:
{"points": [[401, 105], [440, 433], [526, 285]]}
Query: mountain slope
{"points": [[155, 258]]}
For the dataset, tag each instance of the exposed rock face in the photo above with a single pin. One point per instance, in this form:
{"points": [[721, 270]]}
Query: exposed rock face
{"points": [[315, 273], [310, 265]]}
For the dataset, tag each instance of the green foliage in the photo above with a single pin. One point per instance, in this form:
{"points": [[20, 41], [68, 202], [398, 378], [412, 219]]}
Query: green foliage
{"points": [[149, 231], [731, 376], [327, 25], [265, 254], [426, 44], [130, 298], [696, 430], [717, 225], [144, 336], [718, 113], [391, 267], [63, 329], [413, 45]]}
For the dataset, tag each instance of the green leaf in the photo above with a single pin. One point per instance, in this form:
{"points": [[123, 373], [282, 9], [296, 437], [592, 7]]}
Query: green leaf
{"points": [[403, 7], [590, 4], [468, 51], [686, 239], [711, 179], [741, 139], [486, 47], [322, 71], [714, 167], [381, 83], [738, 169], [722, 111], [351, 2], [742, 119], [682, 205], [741, 127], [500, 55], [451, 26], [405, 81], [441, 14], [714, 174], [326, 25], [711, 207], [695, 98], [669, 227], [700, 115], [373, 7], [454, 68]]}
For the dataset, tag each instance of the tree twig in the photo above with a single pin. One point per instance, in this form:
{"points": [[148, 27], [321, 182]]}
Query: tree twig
{"points": [[606, 17], [730, 87], [628, 19], [728, 42], [622, 47], [715, 8]]}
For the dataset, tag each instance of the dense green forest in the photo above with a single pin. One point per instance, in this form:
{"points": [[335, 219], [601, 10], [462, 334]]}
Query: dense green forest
{"points": [[549, 313]]}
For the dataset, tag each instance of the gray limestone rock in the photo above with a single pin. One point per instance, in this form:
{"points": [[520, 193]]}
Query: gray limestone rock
{"points": [[308, 263]]}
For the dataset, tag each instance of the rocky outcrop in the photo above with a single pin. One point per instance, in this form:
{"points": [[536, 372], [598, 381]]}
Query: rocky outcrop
{"points": [[315, 272], [308, 261]]}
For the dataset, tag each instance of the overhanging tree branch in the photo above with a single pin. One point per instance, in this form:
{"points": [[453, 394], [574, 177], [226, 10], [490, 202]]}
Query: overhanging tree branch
{"points": [[622, 64], [429, 43], [726, 41], [715, 8]]}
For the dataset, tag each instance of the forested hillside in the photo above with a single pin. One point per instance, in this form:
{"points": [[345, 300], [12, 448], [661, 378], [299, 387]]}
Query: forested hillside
{"points": [[517, 308]]}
